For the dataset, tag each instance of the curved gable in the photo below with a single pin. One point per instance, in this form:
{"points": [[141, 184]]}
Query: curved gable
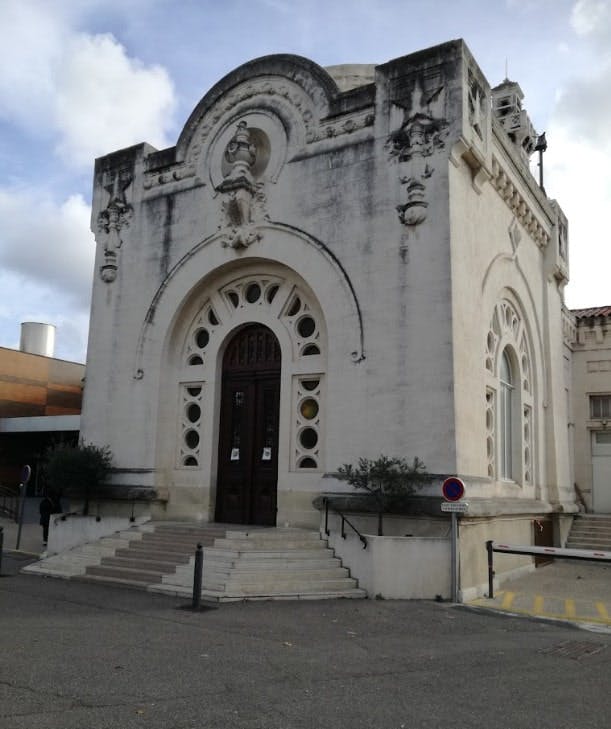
{"points": [[301, 82]]}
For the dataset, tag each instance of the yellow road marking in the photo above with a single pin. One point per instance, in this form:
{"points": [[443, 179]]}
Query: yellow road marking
{"points": [[507, 600], [538, 606], [569, 607], [602, 610]]}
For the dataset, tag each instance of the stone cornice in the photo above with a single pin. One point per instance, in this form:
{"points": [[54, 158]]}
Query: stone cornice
{"points": [[504, 184], [569, 327]]}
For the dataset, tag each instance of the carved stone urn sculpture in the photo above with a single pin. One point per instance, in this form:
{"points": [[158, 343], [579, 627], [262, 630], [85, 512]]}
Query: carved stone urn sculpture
{"points": [[240, 189]]}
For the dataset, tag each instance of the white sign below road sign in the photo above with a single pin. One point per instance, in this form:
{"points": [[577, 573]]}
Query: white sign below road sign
{"points": [[459, 507]]}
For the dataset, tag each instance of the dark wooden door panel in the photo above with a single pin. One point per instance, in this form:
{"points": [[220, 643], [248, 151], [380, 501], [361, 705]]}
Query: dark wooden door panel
{"points": [[265, 460], [248, 439]]}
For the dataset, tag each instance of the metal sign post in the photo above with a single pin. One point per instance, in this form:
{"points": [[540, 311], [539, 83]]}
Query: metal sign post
{"points": [[26, 472], [453, 489]]}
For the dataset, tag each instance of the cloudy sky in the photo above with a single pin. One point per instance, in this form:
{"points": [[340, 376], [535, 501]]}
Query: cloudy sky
{"points": [[81, 78]]}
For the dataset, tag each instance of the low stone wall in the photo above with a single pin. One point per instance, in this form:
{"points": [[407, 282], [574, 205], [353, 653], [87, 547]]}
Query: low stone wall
{"points": [[394, 567], [67, 531]]}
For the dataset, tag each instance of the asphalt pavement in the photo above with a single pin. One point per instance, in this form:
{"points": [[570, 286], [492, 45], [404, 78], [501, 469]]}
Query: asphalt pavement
{"points": [[76, 655], [578, 592]]}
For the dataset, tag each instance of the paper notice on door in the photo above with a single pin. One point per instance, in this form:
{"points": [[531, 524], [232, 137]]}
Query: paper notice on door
{"points": [[235, 454], [267, 454]]}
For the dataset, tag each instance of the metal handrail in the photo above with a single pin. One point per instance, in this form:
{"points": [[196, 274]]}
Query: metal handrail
{"points": [[345, 519]]}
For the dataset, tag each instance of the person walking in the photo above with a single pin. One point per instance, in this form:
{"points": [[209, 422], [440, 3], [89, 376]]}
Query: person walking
{"points": [[50, 504]]}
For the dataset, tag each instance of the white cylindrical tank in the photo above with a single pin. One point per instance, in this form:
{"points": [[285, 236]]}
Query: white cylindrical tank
{"points": [[37, 338]]}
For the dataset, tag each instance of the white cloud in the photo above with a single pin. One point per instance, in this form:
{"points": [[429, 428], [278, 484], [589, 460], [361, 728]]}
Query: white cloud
{"points": [[82, 89], [32, 39], [47, 242], [580, 179], [584, 107], [592, 18], [25, 300], [46, 267], [106, 101]]}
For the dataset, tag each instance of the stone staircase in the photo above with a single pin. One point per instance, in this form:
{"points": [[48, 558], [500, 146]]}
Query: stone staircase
{"points": [[240, 563], [267, 564], [590, 531]]}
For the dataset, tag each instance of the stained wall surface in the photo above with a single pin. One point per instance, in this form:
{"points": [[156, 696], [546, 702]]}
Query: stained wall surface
{"points": [[399, 217]]}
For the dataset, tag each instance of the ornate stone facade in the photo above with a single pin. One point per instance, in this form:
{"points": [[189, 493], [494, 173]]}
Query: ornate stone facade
{"points": [[280, 218]]}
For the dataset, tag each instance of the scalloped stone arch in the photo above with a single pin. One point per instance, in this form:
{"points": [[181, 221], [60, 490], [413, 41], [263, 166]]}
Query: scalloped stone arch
{"points": [[298, 252], [284, 81], [259, 293]]}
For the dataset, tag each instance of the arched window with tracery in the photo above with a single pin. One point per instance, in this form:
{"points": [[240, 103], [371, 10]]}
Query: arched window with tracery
{"points": [[506, 419], [509, 397]]}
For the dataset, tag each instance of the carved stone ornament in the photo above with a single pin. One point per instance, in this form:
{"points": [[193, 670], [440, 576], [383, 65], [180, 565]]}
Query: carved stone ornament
{"points": [[421, 134], [243, 198], [478, 105], [112, 219]]}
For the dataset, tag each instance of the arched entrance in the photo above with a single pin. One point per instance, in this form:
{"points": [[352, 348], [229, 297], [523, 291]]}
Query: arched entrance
{"points": [[247, 476]]}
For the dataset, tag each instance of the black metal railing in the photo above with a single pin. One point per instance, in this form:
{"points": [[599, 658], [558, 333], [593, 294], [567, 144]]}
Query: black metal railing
{"points": [[345, 520], [9, 502]]}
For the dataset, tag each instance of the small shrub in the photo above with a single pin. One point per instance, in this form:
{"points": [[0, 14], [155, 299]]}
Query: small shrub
{"points": [[77, 471], [390, 480]]}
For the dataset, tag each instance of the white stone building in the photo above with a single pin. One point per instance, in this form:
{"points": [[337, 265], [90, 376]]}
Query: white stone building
{"points": [[591, 366], [332, 264]]}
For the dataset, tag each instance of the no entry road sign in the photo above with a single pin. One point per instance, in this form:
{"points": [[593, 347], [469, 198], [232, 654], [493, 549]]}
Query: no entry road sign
{"points": [[453, 489]]}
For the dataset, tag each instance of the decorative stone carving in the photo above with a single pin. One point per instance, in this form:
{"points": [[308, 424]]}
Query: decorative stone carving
{"points": [[287, 96], [112, 219], [176, 174], [477, 104], [336, 128], [515, 236], [517, 204], [244, 199], [420, 135]]}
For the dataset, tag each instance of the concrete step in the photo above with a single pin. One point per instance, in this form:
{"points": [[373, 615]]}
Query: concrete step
{"points": [[188, 543], [137, 563], [247, 577], [154, 553], [146, 545], [587, 536], [593, 522], [125, 573], [272, 565], [221, 554], [591, 545], [289, 587], [219, 596]]}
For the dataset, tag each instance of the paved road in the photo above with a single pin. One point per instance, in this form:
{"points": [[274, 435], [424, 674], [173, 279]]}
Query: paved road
{"points": [[571, 590], [84, 656]]}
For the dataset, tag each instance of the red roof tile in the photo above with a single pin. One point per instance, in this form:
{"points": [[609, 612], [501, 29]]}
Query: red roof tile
{"points": [[593, 311]]}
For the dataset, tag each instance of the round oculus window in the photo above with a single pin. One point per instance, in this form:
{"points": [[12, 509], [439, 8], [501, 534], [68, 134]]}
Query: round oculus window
{"points": [[202, 338], [308, 438], [253, 293], [306, 326]]}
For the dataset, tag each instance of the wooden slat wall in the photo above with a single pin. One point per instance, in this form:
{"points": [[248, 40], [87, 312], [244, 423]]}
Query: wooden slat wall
{"points": [[32, 385]]}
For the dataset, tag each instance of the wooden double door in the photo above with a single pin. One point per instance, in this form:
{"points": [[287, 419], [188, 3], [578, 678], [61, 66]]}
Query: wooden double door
{"points": [[247, 478]]}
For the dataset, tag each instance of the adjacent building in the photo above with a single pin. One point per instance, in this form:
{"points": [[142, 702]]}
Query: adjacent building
{"points": [[591, 366], [40, 403]]}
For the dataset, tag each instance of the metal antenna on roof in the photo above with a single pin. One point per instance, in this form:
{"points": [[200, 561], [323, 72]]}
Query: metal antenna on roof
{"points": [[541, 146]]}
